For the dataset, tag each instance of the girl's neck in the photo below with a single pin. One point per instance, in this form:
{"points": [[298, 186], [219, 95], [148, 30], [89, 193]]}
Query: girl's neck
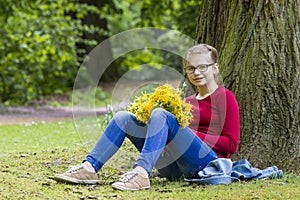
{"points": [[206, 91]]}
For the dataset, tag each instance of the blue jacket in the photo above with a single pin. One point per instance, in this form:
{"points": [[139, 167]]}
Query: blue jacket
{"points": [[224, 171]]}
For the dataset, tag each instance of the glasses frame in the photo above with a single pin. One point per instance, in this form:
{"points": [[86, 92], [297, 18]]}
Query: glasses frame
{"points": [[203, 69]]}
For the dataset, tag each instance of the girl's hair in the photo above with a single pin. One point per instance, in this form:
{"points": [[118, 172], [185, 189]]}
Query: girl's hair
{"points": [[202, 49], [194, 50]]}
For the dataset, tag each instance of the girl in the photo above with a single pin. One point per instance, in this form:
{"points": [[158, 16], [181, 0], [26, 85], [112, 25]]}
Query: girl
{"points": [[175, 152]]}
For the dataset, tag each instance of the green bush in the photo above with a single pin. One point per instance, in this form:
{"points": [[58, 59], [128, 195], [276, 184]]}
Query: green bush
{"points": [[38, 47]]}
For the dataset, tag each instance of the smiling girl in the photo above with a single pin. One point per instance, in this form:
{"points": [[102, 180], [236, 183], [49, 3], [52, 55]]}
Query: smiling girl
{"points": [[173, 150]]}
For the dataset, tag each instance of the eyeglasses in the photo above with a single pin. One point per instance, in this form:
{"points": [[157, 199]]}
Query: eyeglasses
{"points": [[201, 68]]}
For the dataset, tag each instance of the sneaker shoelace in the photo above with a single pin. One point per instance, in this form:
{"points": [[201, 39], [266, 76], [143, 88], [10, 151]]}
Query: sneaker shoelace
{"points": [[74, 169], [127, 176]]}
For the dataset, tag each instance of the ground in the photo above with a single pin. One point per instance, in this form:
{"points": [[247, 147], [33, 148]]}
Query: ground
{"points": [[39, 112], [15, 115]]}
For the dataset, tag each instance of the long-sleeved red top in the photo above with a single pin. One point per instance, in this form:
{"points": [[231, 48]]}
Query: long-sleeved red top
{"points": [[217, 121]]}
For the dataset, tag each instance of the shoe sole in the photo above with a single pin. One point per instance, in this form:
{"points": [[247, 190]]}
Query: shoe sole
{"points": [[67, 179], [125, 188]]}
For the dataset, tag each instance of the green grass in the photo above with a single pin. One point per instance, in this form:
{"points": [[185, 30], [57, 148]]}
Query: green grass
{"points": [[30, 154]]}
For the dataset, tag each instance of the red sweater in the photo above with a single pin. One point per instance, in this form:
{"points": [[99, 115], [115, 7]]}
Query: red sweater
{"points": [[217, 121]]}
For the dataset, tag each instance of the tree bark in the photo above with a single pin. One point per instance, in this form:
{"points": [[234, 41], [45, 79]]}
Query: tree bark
{"points": [[259, 45]]}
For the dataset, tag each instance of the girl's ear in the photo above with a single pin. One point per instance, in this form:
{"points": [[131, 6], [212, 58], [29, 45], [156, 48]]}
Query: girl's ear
{"points": [[216, 68]]}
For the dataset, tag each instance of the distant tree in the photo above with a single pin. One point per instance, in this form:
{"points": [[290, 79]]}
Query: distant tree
{"points": [[259, 43], [98, 20], [127, 14]]}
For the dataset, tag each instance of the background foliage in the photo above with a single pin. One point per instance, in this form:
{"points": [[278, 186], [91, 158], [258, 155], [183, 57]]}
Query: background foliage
{"points": [[175, 15], [42, 41], [38, 51]]}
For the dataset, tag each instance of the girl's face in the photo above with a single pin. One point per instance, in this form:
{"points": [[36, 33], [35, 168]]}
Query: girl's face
{"points": [[202, 76]]}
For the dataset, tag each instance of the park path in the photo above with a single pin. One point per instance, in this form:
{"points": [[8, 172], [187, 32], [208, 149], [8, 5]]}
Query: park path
{"points": [[17, 115], [22, 114]]}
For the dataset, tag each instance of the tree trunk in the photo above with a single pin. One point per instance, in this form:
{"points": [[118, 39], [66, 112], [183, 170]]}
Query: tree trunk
{"points": [[112, 72], [259, 45]]}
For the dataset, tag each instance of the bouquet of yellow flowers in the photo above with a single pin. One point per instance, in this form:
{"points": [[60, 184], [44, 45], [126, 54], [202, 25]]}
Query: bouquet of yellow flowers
{"points": [[164, 96]]}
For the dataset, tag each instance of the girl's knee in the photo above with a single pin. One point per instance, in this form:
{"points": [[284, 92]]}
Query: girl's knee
{"points": [[122, 114], [158, 111], [121, 119], [161, 112]]}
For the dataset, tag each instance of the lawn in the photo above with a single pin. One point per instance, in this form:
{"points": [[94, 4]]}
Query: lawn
{"points": [[31, 153]]}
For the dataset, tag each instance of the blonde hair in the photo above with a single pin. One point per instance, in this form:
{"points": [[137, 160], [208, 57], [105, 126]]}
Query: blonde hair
{"points": [[199, 49], [202, 49]]}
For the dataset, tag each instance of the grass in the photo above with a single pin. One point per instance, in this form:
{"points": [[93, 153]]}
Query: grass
{"points": [[30, 154]]}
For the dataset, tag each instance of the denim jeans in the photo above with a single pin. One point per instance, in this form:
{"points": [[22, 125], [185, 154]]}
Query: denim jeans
{"points": [[163, 144]]}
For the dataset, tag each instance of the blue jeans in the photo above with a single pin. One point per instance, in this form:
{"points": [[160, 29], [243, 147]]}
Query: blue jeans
{"points": [[163, 144]]}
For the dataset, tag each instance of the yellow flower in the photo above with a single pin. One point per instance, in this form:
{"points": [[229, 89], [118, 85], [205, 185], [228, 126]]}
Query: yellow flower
{"points": [[164, 96]]}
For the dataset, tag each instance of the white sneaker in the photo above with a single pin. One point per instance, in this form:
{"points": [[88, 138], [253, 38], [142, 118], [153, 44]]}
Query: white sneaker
{"points": [[132, 181], [77, 175]]}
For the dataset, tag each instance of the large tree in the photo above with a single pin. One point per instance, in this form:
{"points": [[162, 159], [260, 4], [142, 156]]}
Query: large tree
{"points": [[259, 45]]}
